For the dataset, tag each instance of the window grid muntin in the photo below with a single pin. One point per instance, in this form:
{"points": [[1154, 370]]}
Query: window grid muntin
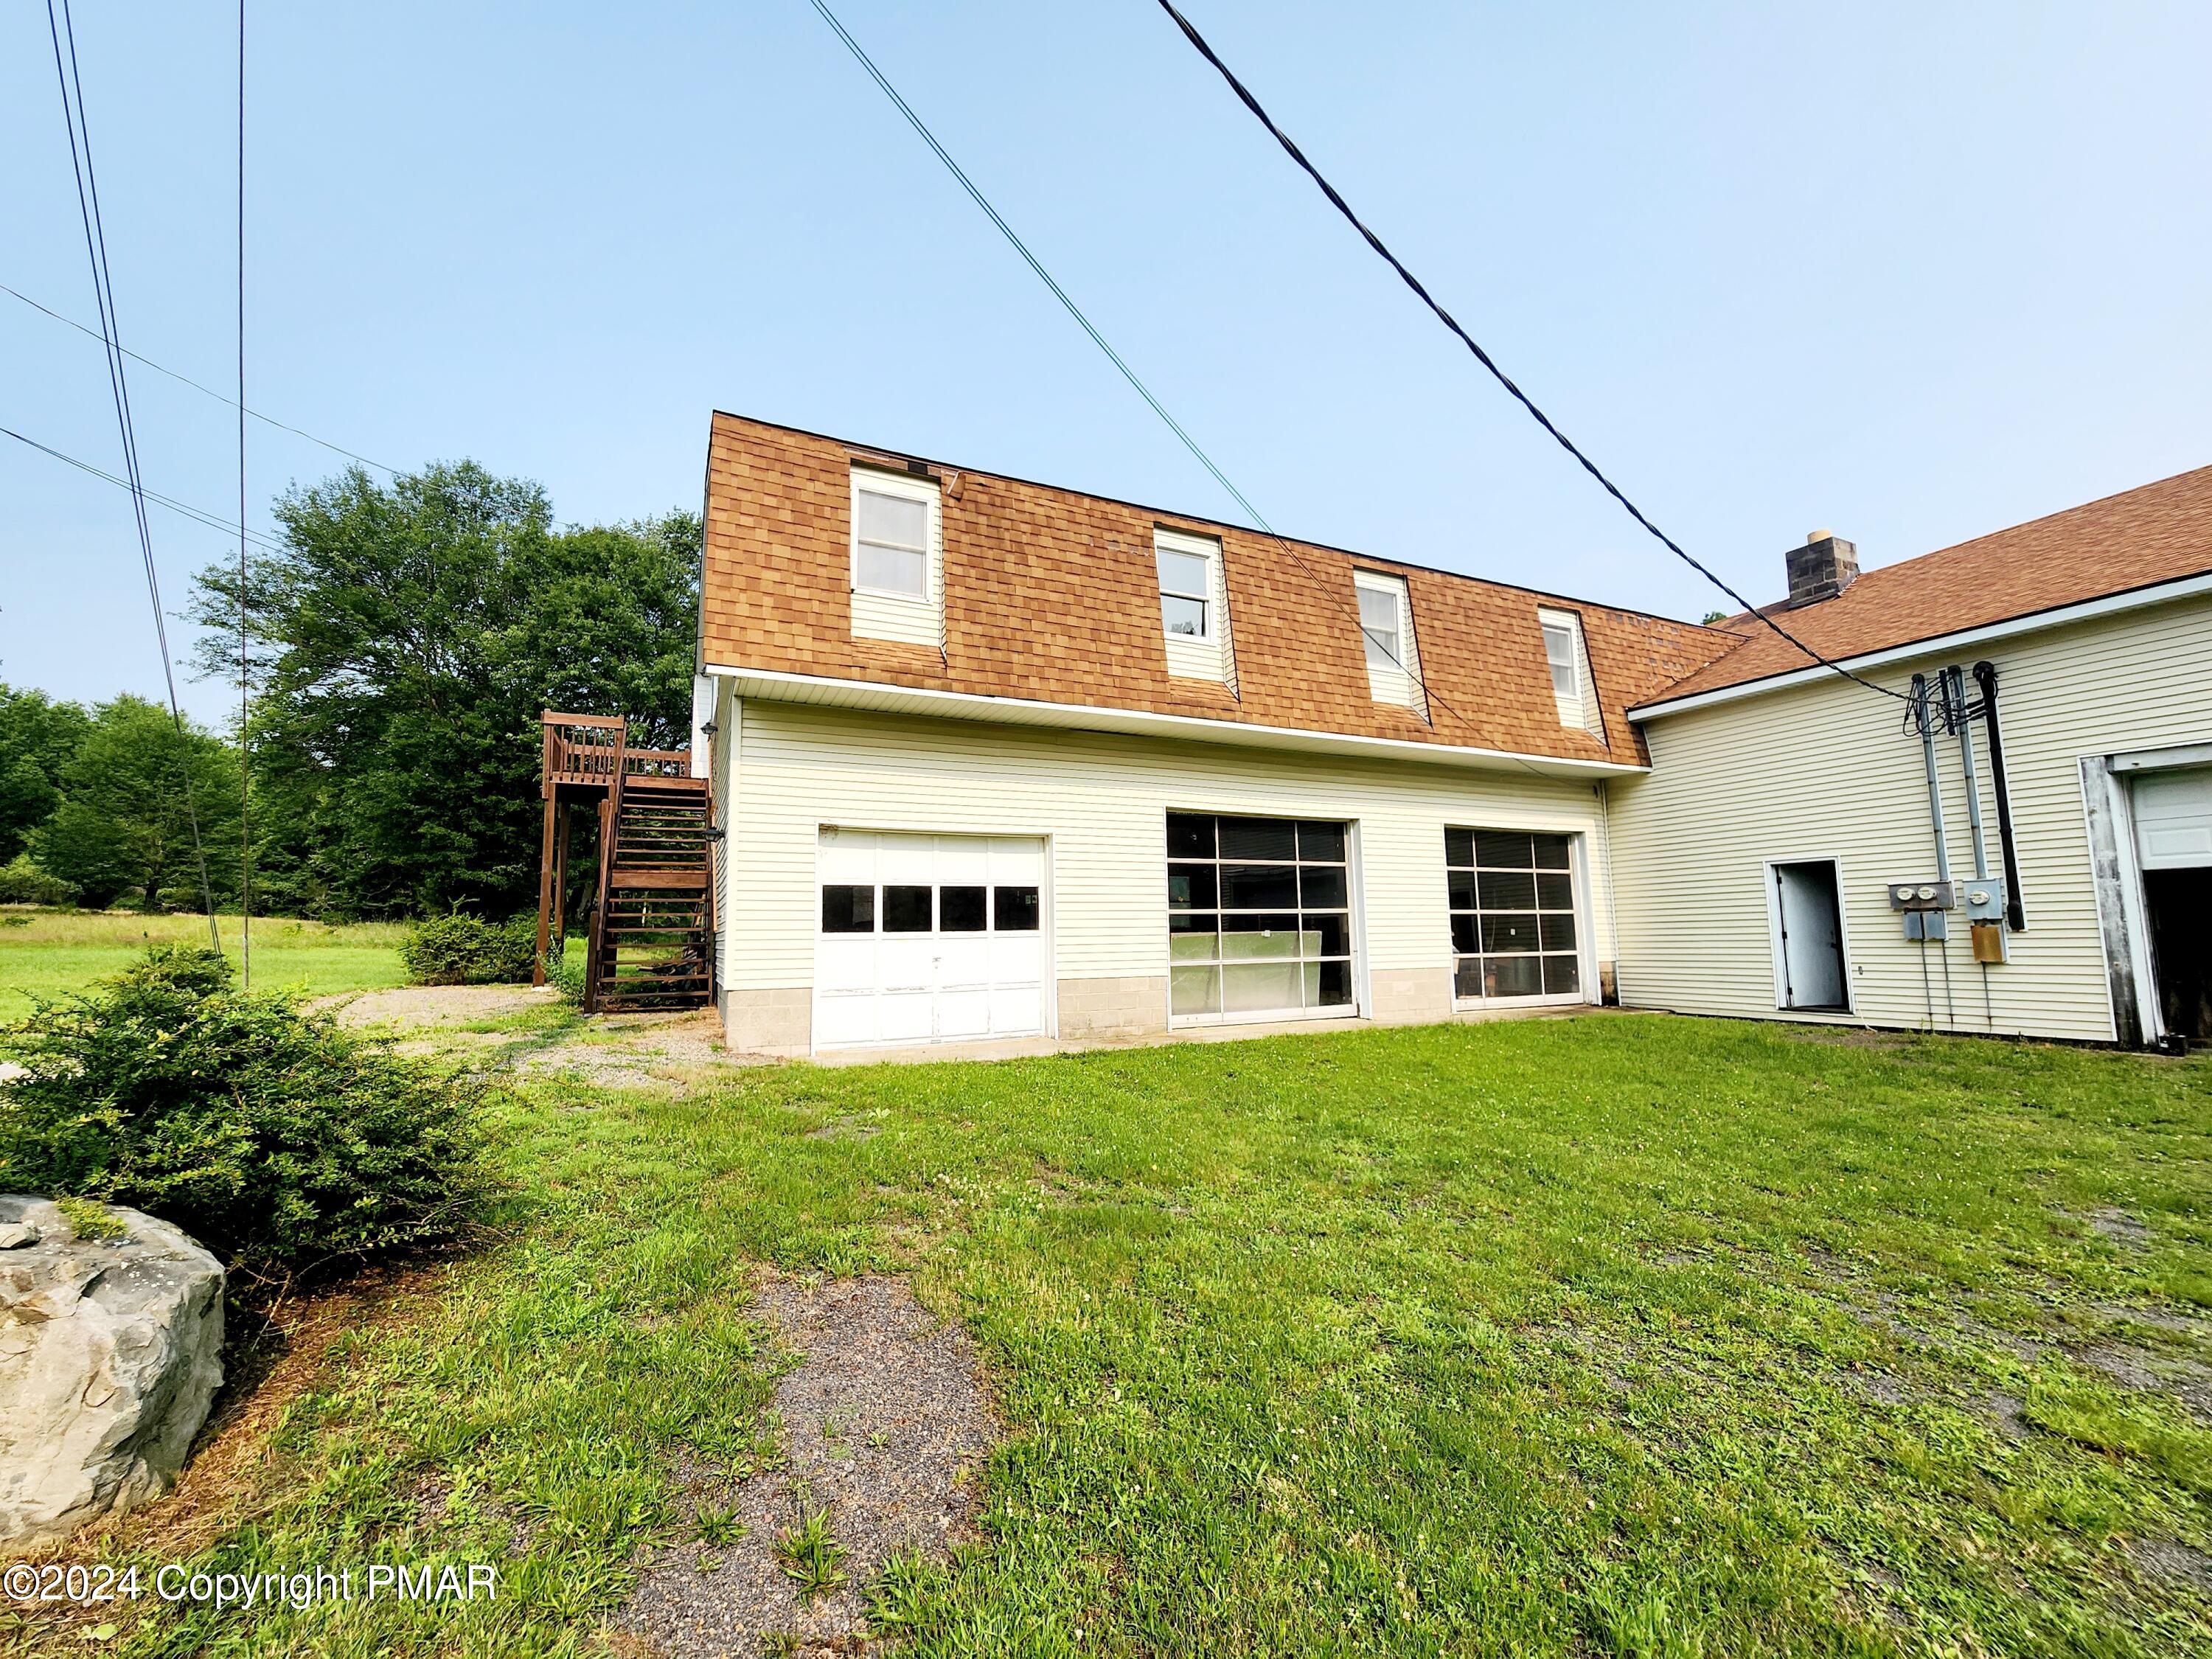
{"points": [[1529, 945], [1319, 962]]}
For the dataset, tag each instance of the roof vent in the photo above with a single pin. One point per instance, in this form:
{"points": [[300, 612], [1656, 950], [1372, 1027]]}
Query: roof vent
{"points": [[1823, 567]]}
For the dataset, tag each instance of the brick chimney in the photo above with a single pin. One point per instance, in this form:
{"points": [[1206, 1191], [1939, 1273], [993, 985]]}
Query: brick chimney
{"points": [[1823, 567]]}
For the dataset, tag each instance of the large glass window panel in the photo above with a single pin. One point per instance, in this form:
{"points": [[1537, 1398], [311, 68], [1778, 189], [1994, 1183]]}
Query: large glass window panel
{"points": [[961, 909], [1503, 849], [907, 909], [1191, 887], [1256, 987], [1510, 897], [1328, 933], [1271, 840], [1512, 976], [1331, 985], [1507, 890], [1321, 887], [1259, 886], [1244, 937], [1189, 835], [1509, 930], [1014, 909], [1280, 940], [1320, 843], [1195, 990], [847, 909], [1194, 946]]}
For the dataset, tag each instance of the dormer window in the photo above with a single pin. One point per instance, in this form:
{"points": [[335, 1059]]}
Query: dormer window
{"points": [[1386, 631], [1574, 692], [890, 551], [1186, 592], [898, 558], [1193, 606]]}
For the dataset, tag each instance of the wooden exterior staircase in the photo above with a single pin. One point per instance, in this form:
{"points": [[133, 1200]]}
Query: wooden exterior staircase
{"points": [[652, 920]]}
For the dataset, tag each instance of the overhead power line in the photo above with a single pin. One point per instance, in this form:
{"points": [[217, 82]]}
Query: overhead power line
{"points": [[237, 404], [1337, 201], [213, 521], [1112, 355], [95, 247], [245, 701]]}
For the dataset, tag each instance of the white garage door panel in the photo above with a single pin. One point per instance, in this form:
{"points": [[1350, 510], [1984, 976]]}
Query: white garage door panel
{"points": [[946, 985], [2174, 819]]}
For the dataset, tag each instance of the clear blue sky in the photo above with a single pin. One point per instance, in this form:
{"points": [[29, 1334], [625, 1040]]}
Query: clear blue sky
{"points": [[1909, 272]]}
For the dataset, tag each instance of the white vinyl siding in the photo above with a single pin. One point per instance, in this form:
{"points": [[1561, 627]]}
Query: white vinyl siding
{"points": [[1209, 655], [1823, 770], [897, 558], [1566, 656], [1386, 632], [1102, 800]]}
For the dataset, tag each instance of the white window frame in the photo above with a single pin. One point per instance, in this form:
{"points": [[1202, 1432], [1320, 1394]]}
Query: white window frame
{"points": [[912, 488], [1581, 709], [1195, 547]]}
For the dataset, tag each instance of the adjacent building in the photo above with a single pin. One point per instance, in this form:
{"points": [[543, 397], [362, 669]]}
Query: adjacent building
{"points": [[997, 762]]}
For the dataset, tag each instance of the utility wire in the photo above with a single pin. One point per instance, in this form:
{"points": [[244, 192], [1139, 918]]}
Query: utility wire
{"points": [[211, 520], [1429, 696], [245, 702], [1337, 201], [266, 420], [95, 244]]}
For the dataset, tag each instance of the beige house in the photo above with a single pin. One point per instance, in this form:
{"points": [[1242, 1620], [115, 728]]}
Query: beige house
{"points": [[1000, 764]]}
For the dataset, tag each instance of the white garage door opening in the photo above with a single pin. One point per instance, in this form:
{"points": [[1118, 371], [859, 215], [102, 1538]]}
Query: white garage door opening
{"points": [[929, 938]]}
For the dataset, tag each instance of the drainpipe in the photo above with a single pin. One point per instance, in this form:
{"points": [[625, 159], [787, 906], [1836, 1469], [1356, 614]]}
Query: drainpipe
{"points": [[1985, 676]]}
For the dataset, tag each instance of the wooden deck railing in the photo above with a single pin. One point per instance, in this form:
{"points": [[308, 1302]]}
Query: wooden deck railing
{"points": [[591, 749]]}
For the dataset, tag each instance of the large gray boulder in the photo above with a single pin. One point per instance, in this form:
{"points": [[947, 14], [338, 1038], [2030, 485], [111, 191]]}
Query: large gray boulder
{"points": [[110, 1352]]}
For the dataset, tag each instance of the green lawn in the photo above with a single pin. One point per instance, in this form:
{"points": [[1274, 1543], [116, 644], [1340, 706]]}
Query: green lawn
{"points": [[1620, 1334], [49, 953]]}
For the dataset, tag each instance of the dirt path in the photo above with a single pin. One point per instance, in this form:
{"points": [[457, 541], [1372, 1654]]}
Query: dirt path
{"points": [[885, 1420]]}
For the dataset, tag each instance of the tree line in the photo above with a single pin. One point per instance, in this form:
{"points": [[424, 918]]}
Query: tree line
{"points": [[400, 643]]}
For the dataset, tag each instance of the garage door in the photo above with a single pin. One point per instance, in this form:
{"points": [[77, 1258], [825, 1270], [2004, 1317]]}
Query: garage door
{"points": [[928, 939], [2174, 819]]}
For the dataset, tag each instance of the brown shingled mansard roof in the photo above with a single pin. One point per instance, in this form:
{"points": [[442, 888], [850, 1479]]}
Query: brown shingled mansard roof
{"points": [[2159, 533], [1051, 595]]}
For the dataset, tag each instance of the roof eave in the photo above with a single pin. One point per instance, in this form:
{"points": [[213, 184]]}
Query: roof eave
{"points": [[2105, 604]]}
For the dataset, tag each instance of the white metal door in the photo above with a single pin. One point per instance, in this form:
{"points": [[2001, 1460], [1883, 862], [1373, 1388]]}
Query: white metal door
{"points": [[928, 939], [1812, 924], [2174, 819]]}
